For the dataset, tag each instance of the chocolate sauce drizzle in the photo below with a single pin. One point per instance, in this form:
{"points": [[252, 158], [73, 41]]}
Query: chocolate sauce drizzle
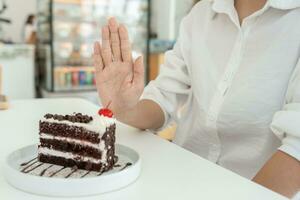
{"points": [[57, 171], [100, 173], [33, 168], [72, 172], [126, 165], [26, 163], [84, 175], [30, 163], [44, 171], [24, 169]]}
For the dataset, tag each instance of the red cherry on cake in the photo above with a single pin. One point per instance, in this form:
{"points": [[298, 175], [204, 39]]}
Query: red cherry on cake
{"points": [[105, 112]]}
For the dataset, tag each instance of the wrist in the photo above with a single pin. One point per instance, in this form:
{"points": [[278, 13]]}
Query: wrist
{"points": [[125, 115]]}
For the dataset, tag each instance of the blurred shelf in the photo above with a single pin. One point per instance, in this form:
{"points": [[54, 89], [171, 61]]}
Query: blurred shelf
{"points": [[74, 68], [78, 89], [69, 29]]}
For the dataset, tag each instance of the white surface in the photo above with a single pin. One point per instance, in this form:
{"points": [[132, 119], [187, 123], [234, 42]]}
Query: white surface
{"points": [[72, 186], [168, 172], [18, 72], [88, 95]]}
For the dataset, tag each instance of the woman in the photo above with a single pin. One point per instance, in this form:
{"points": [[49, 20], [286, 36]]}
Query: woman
{"points": [[231, 83], [29, 30]]}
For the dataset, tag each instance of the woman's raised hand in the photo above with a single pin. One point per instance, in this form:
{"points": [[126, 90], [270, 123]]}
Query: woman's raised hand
{"points": [[119, 79]]}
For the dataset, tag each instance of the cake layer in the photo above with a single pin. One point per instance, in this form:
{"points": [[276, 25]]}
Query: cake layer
{"points": [[72, 140], [65, 146], [96, 124], [69, 155], [65, 130], [68, 131], [71, 163]]}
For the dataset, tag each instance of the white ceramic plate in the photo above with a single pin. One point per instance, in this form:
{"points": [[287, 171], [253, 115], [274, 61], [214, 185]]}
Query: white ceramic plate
{"points": [[75, 184]]}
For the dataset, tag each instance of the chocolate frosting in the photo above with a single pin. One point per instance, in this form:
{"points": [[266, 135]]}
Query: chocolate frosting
{"points": [[75, 118]]}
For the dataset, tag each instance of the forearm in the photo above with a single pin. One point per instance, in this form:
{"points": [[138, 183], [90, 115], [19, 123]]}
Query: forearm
{"points": [[145, 115], [280, 174]]}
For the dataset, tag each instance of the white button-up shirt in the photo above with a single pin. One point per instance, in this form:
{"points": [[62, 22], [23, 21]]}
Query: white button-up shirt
{"points": [[233, 89]]}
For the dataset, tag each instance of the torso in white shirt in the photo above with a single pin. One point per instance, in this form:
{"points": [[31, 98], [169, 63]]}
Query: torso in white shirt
{"points": [[237, 77]]}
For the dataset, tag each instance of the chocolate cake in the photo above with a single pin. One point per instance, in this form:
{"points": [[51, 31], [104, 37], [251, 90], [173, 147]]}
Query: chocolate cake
{"points": [[78, 140]]}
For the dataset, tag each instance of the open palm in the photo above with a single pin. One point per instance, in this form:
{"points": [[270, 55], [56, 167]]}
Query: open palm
{"points": [[119, 79]]}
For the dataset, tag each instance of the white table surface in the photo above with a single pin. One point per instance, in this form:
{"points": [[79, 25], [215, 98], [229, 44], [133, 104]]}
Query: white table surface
{"points": [[168, 171]]}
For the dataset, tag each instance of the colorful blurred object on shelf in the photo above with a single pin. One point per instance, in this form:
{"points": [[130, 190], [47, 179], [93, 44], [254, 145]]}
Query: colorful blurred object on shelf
{"points": [[74, 78]]}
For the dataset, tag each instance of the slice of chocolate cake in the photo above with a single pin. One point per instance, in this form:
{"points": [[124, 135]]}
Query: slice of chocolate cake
{"points": [[78, 141]]}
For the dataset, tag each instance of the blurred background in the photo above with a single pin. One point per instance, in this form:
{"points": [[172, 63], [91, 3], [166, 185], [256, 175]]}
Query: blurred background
{"points": [[46, 45]]}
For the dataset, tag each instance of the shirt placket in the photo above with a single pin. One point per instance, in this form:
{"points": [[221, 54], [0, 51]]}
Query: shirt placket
{"points": [[222, 88]]}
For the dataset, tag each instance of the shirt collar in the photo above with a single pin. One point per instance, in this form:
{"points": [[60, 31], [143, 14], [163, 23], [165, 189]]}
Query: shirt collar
{"points": [[227, 7], [224, 5], [284, 4]]}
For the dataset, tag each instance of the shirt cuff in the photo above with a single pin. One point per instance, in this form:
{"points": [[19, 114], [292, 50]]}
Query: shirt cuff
{"points": [[153, 94], [286, 125], [297, 196], [291, 146]]}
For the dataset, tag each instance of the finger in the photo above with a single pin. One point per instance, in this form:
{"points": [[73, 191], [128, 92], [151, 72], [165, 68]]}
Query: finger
{"points": [[138, 70], [125, 44], [106, 50], [98, 63], [115, 39]]}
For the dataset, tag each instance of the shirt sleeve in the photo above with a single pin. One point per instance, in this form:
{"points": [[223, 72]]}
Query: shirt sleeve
{"points": [[286, 123], [171, 88]]}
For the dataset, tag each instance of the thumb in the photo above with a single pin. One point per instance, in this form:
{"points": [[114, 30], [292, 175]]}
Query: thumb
{"points": [[138, 68]]}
